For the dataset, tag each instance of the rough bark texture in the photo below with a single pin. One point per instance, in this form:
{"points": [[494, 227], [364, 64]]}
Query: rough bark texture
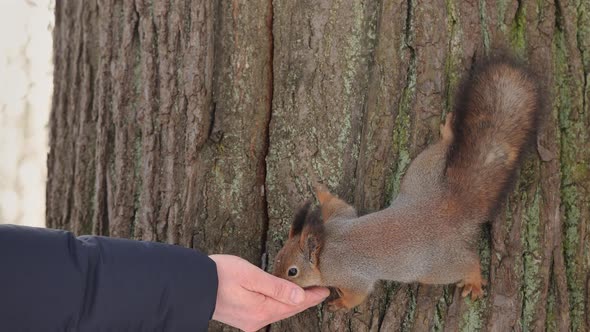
{"points": [[205, 124]]}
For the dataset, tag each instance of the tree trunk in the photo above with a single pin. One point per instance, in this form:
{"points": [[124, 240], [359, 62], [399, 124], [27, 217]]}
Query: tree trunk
{"points": [[205, 124]]}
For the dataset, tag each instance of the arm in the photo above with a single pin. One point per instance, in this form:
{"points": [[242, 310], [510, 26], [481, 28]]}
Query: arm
{"points": [[52, 280]]}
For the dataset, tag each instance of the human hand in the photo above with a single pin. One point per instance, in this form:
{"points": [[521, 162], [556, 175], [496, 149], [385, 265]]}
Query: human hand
{"points": [[249, 298]]}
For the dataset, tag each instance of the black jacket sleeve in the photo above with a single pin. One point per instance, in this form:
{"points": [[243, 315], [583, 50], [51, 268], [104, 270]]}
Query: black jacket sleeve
{"points": [[53, 281]]}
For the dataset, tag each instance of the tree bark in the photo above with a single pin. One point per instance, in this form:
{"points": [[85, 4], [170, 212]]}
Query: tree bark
{"points": [[205, 124]]}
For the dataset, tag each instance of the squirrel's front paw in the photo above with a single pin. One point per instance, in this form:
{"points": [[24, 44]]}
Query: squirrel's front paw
{"points": [[336, 305], [348, 299]]}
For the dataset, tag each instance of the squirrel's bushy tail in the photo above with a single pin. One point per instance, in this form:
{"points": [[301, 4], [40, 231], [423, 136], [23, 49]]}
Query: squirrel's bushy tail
{"points": [[494, 122]]}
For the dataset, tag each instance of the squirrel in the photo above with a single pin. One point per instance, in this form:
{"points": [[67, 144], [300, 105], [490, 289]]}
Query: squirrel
{"points": [[429, 233]]}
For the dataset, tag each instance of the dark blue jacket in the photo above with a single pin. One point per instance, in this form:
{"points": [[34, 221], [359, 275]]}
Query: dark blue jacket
{"points": [[53, 281]]}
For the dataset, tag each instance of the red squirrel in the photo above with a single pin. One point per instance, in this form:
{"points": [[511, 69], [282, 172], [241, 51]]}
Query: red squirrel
{"points": [[429, 233]]}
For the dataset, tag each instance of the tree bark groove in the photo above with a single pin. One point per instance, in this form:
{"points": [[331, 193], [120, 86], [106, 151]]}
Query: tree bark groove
{"points": [[205, 124]]}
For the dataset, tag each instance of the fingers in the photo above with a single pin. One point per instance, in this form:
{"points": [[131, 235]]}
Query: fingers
{"points": [[279, 311], [271, 310], [276, 288], [312, 298]]}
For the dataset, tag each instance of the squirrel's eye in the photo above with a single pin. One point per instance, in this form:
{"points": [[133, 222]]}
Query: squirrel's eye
{"points": [[292, 272]]}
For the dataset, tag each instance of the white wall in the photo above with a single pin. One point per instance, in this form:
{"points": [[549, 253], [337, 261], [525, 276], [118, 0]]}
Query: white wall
{"points": [[25, 95]]}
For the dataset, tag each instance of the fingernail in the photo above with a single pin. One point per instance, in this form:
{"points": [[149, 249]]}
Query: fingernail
{"points": [[297, 295]]}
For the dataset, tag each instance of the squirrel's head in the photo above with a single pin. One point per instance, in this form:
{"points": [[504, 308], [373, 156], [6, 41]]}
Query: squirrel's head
{"points": [[298, 260]]}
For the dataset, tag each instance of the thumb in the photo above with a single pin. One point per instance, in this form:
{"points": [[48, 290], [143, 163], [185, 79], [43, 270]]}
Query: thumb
{"points": [[315, 295], [279, 289]]}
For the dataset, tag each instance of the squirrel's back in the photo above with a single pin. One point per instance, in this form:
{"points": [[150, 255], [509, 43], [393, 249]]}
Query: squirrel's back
{"points": [[495, 122]]}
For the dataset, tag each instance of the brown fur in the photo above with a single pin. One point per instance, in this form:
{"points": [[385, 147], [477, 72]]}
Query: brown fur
{"points": [[428, 234], [495, 120], [333, 207]]}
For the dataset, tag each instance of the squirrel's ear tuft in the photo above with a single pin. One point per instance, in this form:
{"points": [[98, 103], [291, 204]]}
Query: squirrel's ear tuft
{"points": [[299, 220], [331, 205], [313, 222], [312, 236], [322, 193]]}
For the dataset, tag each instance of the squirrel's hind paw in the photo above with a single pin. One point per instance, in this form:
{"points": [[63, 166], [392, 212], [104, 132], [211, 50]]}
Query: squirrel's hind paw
{"points": [[473, 282], [475, 288]]}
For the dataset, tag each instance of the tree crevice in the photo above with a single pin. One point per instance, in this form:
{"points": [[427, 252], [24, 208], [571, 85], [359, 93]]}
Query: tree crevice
{"points": [[266, 144]]}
